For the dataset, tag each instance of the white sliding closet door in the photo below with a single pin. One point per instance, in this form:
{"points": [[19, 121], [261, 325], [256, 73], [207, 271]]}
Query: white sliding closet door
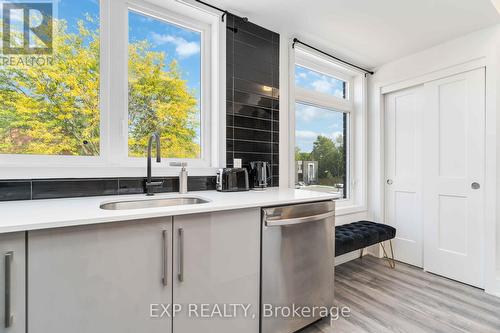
{"points": [[403, 133], [453, 180]]}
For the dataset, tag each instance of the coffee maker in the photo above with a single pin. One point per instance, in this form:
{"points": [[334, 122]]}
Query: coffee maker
{"points": [[259, 175]]}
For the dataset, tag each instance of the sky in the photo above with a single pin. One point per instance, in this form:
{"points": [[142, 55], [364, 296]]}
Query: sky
{"points": [[312, 80], [312, 121]]}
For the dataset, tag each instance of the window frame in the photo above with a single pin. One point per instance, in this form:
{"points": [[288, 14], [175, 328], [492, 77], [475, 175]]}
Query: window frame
{"points": [[354, 106], [347, 140], [113, 160], [205, 110]]}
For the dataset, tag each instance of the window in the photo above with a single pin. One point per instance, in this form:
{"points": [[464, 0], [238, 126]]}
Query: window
{"points": [[315, 81], [49, 105], [324, 104], [328, 136], [320, 153], [118, 71], [164, 80]]}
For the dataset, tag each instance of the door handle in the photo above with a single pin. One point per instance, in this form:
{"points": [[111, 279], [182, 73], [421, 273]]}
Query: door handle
{"points": [[270, 222], [389, 182], [180, 274], [475, 186], [164, 277], [8, 257]]}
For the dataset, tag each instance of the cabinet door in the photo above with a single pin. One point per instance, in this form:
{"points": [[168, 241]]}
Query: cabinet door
{"points": [[12, 283], [100, 278], [216, 261]]}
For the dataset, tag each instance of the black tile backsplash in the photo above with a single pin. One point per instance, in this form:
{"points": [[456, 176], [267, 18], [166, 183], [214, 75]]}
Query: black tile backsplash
{"points": [[260, 73], [247, 98], [252, 106], [250, 111], [65, 188], [200, 183], [252, 123], [84, 187], [15, 190]]}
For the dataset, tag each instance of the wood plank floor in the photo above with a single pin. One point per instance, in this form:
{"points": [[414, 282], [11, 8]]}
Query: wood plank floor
{"points": [[407, 299]]}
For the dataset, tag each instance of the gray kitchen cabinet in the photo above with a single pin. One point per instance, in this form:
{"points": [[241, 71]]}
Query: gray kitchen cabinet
{"points": [[100, 278], [217, 262], [12, 283]]}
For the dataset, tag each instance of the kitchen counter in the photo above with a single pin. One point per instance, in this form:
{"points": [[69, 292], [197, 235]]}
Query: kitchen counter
{"points": [[55, 213]]}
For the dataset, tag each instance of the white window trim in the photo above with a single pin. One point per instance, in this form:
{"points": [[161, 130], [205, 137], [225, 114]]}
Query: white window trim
{"points": [[355, 105], [113, 160]]}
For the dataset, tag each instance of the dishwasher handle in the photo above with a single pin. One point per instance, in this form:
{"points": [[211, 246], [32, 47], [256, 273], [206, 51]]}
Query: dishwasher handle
{"points": [[273, 222]]}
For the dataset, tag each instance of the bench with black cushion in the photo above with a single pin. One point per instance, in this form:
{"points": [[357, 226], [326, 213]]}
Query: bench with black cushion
{"points": [[358, 235]]}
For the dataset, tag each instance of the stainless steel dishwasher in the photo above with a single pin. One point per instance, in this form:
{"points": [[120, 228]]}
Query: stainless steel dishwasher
{"points": [[297, 263]]}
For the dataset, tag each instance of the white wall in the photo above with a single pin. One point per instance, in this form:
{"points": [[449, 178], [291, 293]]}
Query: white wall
{"points": [[479, 47]]}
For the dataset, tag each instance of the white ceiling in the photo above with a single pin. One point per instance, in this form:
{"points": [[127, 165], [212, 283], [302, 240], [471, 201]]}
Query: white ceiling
{"points": [[369, 32]]}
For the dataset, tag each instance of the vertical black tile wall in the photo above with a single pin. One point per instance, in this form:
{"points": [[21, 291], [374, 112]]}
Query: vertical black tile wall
{"points": [[252, 94]]}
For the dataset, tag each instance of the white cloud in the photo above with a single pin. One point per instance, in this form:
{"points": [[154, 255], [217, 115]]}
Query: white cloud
{"points": [[308, 113], [327, 86], [306, 135], [305, 139], [334, 135], [183, 48], [322, 86]]}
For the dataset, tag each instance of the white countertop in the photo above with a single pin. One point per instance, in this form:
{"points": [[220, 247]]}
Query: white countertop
{"points": [[55, 213]]}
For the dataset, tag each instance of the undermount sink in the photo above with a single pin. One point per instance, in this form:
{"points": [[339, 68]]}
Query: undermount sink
{"points": [[152, 203]]}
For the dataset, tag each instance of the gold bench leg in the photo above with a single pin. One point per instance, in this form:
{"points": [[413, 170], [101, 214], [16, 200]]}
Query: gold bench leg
{"points": [[390, 260]]}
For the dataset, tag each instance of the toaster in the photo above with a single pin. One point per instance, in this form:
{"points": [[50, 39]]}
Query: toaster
{"points": [[232, 180]]}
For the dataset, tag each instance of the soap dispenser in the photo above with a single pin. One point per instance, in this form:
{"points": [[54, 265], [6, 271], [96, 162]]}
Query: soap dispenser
{"points": [[183, 176]]}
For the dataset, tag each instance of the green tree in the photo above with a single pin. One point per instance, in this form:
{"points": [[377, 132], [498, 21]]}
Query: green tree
{"points": [[54, 109], [159, 101], [301, 155], [331, 159]]}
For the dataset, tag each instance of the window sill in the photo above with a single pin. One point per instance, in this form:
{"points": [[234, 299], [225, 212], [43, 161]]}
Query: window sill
{"points": [[350, 210]]}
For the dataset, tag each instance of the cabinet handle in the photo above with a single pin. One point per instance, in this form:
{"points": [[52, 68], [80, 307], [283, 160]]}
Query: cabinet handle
{"points": [[180, 275], [9, 256], [164, 277]]}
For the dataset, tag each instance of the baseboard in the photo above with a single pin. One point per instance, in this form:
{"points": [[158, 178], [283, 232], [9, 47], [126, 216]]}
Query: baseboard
{"points": [[347, 257], [495, 291]]}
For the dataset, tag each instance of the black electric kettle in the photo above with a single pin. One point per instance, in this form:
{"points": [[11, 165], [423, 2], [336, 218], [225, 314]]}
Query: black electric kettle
{"points": [[260, 175]]}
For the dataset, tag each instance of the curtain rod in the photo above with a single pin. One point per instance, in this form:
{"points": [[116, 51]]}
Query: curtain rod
{"points": [[295, 41], [223, 11]]}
